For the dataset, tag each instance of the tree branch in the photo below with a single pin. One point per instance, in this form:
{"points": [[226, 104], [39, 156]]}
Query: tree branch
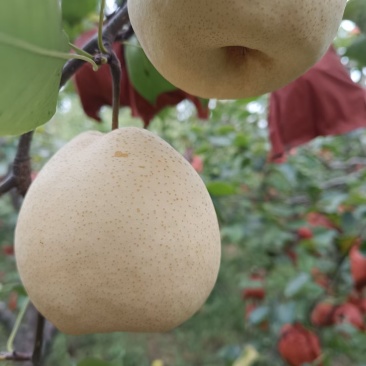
{"points": [[37, 351], [112, 30], [7, 184], [19, 175], [15, 356]]}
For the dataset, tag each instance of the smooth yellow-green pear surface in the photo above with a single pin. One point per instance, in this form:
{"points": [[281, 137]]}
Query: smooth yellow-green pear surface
{"points": [[117, 233], [232, 49]]}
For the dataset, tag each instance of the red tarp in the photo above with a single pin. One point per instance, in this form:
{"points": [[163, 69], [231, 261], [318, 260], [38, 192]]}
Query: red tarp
{"points": [[324, 101]]}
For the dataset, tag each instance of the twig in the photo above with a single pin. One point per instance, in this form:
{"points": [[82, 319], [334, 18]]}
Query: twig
{"points": [[14, 332], [115, 68], [7, 184], [111, 31], [37, 351], [340, 181], [22, 163], [15, 356], [19, 175]]}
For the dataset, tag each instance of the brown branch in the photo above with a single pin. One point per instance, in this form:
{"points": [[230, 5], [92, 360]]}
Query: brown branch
{"points": [[37, 351], [7, 184], [19, 176], [15, 356], [115, 68], [22, 164]]}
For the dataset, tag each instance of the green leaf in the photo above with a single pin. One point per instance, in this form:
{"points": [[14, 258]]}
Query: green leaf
{"points": [[241, 140], [357, 50], [143, 75], [288, 172], [360, 212], [233, 233], [331, 201], [259, 314], [323, 238], [297, 284], [93, 362], [20, 290], [350, 224], [356, 11], [221, 141], [225, 129], [74, 12], [285, 313], [220, 188], [30, 81]]}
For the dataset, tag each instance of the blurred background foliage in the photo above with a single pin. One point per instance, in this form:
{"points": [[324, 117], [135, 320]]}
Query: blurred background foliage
{"points": [[260, 205]]}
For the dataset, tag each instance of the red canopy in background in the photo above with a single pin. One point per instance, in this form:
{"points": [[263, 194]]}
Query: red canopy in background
{"points": [[324, 101], [95, 90]]}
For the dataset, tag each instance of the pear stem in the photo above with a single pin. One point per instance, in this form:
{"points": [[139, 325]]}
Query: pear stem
{"points": [[115, 68]]}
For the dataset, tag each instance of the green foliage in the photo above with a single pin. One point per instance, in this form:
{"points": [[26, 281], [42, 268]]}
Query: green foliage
{"points": [[79, 16], [30, 75], [93, 362], [74, 12], [357, 50], [356, 44], [356, 11], [143, 75], [220, 188]]}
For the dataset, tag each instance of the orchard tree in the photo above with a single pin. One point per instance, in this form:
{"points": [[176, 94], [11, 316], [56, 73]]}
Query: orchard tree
{"points": [[118, 232]]}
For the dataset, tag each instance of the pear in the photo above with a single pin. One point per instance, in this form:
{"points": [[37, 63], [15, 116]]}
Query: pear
{"points": [[234, 49], [117, 233]]}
